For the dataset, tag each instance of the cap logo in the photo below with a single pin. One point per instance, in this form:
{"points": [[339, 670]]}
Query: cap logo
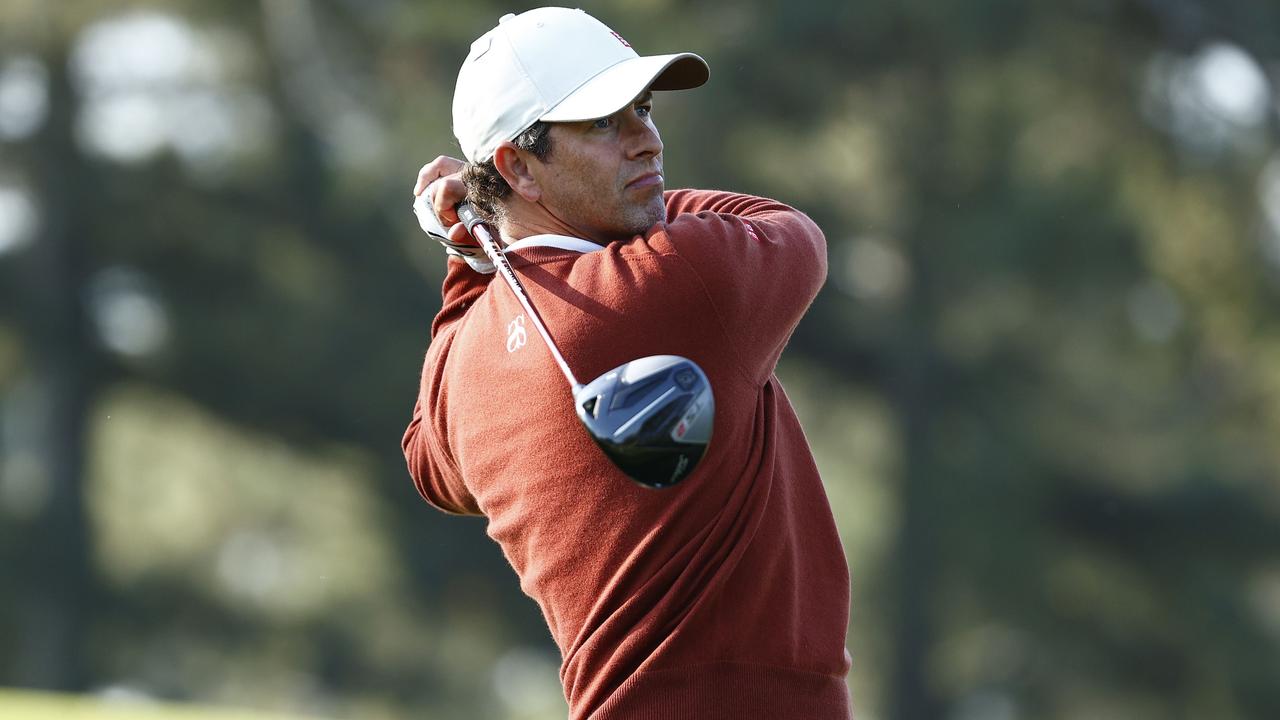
{"points": [[620, 38]]}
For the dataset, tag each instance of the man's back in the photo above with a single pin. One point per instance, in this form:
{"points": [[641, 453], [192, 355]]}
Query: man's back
{"points": [[725, 596]]}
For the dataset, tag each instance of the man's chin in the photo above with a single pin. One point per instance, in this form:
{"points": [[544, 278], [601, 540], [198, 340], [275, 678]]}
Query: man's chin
{"points": [[636, 219], [650, 215]]}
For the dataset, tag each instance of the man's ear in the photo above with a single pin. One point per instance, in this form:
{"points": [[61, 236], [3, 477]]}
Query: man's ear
{"points": [[512, 164]]}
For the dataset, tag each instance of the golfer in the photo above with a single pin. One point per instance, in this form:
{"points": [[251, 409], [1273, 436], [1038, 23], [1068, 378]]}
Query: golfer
{"points": [[725, 596]]}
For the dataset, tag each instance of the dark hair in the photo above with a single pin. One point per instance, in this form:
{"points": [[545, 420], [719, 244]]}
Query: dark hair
{"points": [[486, 187]]}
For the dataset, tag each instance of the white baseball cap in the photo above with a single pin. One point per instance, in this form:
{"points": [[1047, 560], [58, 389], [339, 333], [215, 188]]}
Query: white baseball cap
{"points": [[557, 65]]}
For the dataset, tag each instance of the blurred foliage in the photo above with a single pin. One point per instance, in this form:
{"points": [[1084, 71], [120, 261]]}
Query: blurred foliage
{"points": [[1042, 383], [47, 706]]}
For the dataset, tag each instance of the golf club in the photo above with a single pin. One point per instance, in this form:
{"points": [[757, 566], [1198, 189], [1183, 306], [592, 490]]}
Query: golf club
{"points": [[651, 416]]}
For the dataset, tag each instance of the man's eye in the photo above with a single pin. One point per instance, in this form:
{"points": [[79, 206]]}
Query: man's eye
{"points": [[603, 123], [644, 110]]}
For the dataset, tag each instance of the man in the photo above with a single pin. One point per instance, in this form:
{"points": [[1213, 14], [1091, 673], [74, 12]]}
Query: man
{"points": [[725, 596]]}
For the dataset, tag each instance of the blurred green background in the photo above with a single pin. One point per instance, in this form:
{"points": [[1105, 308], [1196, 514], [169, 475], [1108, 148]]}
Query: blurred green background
{"points": [[1042, 381]]}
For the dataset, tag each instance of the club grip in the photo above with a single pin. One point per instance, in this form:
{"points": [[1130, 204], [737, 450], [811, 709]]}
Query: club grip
{"points": [[469, 216]]}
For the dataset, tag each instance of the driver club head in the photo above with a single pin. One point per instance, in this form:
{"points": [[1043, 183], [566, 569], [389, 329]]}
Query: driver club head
{"points": [[651, 416]]}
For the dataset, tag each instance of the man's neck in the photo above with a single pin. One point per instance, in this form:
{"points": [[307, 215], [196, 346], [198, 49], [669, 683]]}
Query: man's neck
{"points": [[525, 219]]}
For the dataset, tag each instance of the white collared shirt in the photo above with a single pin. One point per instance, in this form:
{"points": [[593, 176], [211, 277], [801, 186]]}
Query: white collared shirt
{"points": [[563, 242]]}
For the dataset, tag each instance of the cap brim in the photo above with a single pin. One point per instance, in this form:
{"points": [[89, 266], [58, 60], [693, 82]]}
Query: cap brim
{"points": [[611, 90]]}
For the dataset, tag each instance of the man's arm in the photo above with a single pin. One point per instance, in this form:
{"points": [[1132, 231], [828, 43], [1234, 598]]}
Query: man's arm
{"points": [[434, 472], [431, 464], [761, 262]]}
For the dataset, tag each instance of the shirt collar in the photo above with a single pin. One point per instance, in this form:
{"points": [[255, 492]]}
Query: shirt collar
{"points": [[562, 242]]}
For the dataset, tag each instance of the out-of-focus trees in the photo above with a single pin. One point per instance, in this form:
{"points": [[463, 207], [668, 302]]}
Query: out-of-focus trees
{"points": [[1041, 382]]}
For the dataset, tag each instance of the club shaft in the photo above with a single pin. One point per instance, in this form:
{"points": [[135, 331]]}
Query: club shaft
{"points": [[491, 248]]}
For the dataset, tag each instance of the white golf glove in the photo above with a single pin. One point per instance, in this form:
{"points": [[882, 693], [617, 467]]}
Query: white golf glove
{"points": [[473, 254]]}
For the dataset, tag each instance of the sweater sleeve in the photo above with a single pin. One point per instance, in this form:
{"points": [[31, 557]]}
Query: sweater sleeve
{"points": [[462, 286], [434, 472], [761, 262]]}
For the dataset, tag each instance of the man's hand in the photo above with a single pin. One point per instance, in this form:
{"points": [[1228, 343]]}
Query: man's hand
{"points": [[438, 190]]}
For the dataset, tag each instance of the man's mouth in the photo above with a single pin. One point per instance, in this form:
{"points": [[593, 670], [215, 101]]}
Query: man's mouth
{"points": [[645, 180]]}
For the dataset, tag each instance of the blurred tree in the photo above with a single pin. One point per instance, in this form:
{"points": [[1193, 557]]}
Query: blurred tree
{"points": [[48, 547]]}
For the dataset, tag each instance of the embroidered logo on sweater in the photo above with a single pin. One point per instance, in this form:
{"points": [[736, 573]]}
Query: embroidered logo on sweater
{"points": [[516, 336]]}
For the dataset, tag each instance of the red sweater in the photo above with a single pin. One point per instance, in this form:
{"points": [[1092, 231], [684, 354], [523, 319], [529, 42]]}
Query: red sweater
{"points": [[726, 596]]}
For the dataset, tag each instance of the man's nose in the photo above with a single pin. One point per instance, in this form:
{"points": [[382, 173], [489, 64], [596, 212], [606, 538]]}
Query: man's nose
{"points": [[641, 137]]}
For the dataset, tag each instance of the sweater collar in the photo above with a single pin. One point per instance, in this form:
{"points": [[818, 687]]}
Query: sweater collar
{"points": [[562, 242]]}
